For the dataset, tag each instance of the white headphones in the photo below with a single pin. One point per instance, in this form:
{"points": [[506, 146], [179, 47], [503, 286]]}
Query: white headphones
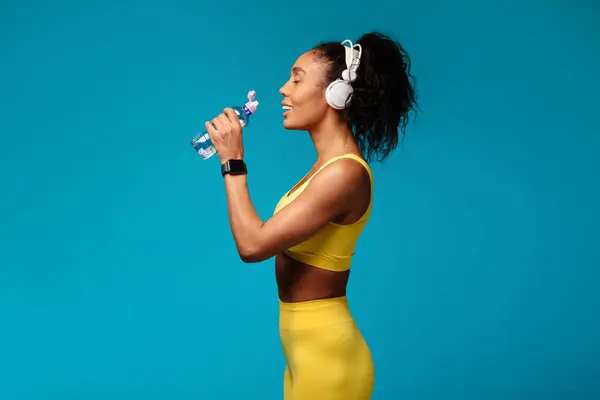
{"points": [[339, 92]]}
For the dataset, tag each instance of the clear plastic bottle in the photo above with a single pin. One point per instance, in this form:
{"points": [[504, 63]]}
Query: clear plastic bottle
{"points": [[202, 143]]}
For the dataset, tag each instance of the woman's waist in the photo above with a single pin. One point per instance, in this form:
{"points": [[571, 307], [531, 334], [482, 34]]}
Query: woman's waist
{"points": [[301, 282], [314, 313]]}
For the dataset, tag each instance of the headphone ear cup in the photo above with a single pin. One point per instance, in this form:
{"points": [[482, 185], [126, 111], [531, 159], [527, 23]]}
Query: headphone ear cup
{"points": [[339, 94]]}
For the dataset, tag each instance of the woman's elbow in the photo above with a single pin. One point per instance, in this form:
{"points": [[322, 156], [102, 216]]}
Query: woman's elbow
{"points": [[253, 255]]}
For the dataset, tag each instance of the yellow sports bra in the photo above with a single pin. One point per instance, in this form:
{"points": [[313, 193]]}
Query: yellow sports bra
{"points": [[332, 247]]}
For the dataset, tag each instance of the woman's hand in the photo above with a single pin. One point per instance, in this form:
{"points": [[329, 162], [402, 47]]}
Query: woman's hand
{"points": [[227, 137]]}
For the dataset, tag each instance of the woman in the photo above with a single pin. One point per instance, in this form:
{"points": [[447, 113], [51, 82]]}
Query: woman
{"points": [[316, 224]]}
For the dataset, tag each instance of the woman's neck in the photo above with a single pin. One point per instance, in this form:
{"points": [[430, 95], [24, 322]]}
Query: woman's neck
{"points": [[331, 138]]}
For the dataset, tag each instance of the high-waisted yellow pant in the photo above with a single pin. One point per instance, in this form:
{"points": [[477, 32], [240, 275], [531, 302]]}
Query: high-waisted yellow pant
{"points": [[327, 357]]}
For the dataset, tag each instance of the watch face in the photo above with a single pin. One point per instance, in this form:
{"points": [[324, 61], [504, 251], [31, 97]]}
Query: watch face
{"points": [[234, 167]]}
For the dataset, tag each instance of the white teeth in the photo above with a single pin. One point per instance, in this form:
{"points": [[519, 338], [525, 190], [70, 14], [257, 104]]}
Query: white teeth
{"points": [[287, 108]]}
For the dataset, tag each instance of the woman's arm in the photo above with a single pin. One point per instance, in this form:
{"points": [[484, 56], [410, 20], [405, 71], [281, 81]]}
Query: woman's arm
{"points": [[323, 199]]}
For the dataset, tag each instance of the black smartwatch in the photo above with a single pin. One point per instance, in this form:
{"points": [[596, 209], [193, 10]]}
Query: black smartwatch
{"points": [[234, 167]]}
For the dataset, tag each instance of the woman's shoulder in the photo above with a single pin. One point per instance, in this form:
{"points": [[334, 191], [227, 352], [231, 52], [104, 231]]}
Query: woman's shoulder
{"points": [[343, 173]]}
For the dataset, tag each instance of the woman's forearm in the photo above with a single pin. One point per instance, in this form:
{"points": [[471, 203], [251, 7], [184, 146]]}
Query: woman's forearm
{"points": [[243, 218]]}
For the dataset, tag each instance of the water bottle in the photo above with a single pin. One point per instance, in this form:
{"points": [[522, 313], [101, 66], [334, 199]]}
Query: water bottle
{"points": [[202, 143]]}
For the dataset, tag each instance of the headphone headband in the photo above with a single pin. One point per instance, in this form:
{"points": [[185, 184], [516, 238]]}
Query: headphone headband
{"points": [[353, 54], [339, 92]]}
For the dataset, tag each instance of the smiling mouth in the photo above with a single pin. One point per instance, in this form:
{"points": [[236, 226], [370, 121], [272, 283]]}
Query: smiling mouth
{"points": [[287, 108]]}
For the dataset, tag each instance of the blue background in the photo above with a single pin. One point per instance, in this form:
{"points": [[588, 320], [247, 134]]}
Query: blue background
{"points": [[477, 277]]}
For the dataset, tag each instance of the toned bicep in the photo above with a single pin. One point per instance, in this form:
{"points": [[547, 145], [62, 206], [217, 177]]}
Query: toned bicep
{"points": [[324, 198]]}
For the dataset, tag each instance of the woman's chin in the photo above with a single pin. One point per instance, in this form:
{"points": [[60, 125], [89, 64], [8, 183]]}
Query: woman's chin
{"points": [[293, 124], [287, 124]]}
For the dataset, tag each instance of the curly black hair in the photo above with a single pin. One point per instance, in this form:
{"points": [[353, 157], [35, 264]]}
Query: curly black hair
{"points": [[384, 92]]}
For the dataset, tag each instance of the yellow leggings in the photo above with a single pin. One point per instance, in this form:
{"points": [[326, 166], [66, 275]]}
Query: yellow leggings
{"points": [[327, 357]]}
